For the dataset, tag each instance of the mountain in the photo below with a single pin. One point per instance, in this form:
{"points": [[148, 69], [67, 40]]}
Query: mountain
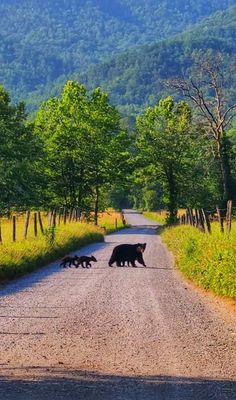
{"points": [[41, 41], [137, 78]]}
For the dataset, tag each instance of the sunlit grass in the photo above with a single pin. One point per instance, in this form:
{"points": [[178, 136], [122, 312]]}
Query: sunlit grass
{"points": [[7, 227], [208, 260], [26, 255], [111, 220], [160, 216]]}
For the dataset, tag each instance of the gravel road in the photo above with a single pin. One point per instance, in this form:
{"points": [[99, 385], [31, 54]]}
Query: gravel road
{"points": [[115, 333]]}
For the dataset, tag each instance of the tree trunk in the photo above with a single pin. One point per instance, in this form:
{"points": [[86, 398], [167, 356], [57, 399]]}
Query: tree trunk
{"points": [[223, 154], [96, 206], [172, 204]]}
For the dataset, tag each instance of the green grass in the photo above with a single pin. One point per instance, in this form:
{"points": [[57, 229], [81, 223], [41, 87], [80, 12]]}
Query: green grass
{"points": [[111, 220], [158, 216], [27, 255], [22, 256], [208, 260]]}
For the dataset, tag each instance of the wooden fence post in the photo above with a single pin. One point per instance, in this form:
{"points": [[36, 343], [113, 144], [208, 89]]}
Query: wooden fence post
{"points": [[64, 215], [207, 220], [116, 223], [191, 216], [0, 232], [59, 217], [197, 221], [35, 225], [221, 219], [123, 218], [229, 215], [201, 220], [70, 214], [14, 228], [40, 222], [76, 214], [27, 218], [54, 218], [187, 217], [49, 219]]}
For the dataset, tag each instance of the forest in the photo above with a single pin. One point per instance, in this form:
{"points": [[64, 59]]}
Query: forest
{"points": [[41, 42], [92, 142], [78, 153], [137, 79]]}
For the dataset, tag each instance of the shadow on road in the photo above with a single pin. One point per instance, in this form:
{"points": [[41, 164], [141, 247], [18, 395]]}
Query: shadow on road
{"points": [[85, 385], [32, 278]]}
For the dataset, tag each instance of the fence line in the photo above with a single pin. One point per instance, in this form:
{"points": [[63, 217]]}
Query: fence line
{"points": [[201, 218], [51, 219]]}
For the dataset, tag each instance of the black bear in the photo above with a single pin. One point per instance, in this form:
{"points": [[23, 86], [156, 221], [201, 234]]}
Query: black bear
{"points": [[129, 253], [85, 259]]}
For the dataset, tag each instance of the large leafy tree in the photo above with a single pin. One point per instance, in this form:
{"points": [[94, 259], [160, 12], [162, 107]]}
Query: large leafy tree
{"points": [[82, 139], [208, 89], [19, 153], [164, 143], [62, 124]]}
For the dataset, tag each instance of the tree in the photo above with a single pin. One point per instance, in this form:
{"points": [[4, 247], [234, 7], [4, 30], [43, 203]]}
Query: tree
{"points": [[83, 141], [164, 139], [207, 91], [19, 153]]}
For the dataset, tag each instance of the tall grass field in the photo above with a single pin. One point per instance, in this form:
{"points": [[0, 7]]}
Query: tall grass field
{"points": [[23, 256], [207, 259]]}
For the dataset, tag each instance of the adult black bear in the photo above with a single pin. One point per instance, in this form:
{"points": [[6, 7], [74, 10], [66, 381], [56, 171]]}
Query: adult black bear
{"points": [[129, 253]]}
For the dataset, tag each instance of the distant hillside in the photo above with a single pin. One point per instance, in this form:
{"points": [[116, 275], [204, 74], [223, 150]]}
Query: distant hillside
{"points": [[41, 41], [136, 78]]}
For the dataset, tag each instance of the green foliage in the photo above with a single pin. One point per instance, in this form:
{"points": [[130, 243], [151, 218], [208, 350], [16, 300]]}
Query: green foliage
{"points": [[50, 235], [48, 40], [164, 144], [137, 78], [208, 260], [86, 150], [20, 152]]}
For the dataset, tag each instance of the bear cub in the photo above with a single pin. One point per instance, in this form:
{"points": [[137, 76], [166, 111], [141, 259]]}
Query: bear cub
{"points": [[85, 260]]}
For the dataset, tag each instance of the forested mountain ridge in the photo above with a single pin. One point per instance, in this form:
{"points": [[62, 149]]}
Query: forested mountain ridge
{"points": [[136, 78], [41, 41]]}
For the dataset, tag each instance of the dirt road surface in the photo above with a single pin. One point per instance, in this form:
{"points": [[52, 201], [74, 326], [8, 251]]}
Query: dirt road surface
{"points": [[115, 333]]}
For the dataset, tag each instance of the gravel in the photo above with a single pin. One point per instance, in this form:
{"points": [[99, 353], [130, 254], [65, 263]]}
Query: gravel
{"points": [[115, 333]]}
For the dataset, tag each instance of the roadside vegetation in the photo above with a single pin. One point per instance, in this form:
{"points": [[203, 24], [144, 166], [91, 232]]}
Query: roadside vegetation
{"points": [[158, 216], [24, 256], [207, 260]]}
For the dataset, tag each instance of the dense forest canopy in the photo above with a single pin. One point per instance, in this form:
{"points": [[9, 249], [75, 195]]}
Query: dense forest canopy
{"points": [[42, 41], [136, 78], [77, 149]]}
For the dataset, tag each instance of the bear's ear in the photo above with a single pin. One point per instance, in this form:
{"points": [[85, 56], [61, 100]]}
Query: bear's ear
{"points": [[139, 248]]}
